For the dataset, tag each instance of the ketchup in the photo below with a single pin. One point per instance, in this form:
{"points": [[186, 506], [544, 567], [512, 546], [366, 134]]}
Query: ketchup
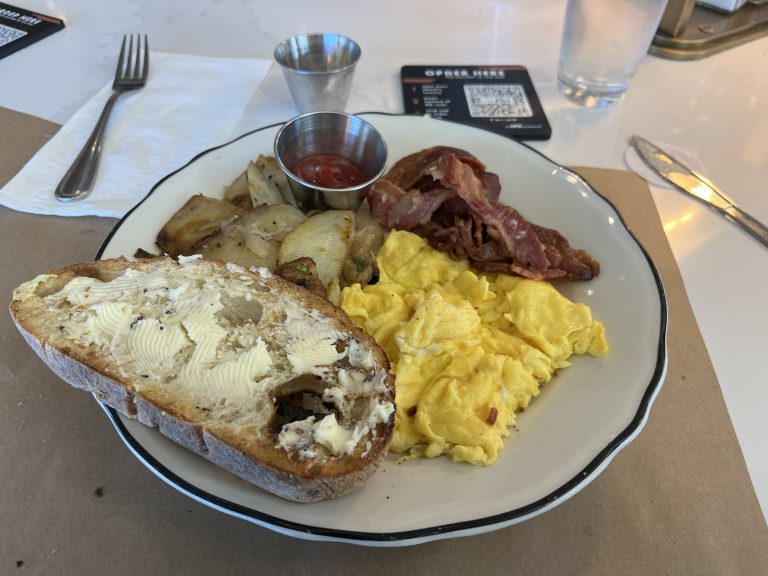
{"points": [[329, 171]]}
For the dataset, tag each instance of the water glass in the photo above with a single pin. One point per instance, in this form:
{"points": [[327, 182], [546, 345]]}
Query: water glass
{"points": [[603, 43]]}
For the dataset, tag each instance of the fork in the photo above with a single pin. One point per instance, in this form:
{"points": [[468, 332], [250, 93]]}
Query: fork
{"points": [[131, 74]]}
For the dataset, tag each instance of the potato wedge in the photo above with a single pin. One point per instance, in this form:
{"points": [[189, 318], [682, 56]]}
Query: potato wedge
{"points": [[333, 293], [200, 217], [325, 237], [275, 221], [360, 267], [302, 272], [233, 245], [261, 189], [238, 192], [271, 170], [253, 238], [368, 231]]}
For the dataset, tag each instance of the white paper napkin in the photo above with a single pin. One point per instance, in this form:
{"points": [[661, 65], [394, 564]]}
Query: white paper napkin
{"points": [[190, 104]]}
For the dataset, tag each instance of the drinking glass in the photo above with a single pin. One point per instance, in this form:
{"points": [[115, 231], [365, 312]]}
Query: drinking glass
{"points": [[603, 43]]}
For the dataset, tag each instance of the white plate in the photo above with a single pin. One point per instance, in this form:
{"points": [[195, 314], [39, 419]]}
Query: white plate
{"points": [[583, 417]]}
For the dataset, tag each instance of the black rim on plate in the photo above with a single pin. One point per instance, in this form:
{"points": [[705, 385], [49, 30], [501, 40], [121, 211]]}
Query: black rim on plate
{"points": [[585, 476]]}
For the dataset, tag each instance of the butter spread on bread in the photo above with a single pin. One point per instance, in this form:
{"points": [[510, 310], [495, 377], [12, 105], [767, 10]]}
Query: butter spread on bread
{"points": [[251, 372]]}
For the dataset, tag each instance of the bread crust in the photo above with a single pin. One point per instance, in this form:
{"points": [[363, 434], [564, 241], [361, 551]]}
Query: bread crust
{"points": [[253, 457]]}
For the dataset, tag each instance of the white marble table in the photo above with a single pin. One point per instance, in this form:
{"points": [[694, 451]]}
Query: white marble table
{"points": [[716, 109]]}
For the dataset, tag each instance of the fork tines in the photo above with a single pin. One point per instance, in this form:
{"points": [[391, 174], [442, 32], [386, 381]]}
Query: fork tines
{"points": [[132, 64]]}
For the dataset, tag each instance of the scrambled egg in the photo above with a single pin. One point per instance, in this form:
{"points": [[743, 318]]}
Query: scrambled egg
{"points": [[468, 351]]}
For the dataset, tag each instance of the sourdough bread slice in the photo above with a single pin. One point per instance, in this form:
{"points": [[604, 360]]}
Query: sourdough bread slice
{"points": [[255, 374]]}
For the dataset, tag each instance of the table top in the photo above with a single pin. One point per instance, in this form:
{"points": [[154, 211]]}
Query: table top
{"points": [[716, 109]]}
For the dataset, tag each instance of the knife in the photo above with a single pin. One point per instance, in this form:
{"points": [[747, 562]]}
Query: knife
{"points": [[701, 188]]}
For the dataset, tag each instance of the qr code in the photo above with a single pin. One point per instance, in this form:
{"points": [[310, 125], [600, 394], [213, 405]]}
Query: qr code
{"points": [[497, 101], [8, 34]]}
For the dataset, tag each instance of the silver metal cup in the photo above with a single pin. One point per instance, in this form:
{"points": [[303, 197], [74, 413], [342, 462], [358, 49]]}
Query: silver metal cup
{"points": [[330, 133], [319, 69]]}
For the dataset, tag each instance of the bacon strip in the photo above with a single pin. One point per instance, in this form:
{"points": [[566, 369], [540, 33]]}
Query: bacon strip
{"points": [[410, 170], [401, 210], [445, 195]]}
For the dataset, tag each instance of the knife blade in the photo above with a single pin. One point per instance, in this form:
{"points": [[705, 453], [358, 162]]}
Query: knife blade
{"points": [[698, 186]]}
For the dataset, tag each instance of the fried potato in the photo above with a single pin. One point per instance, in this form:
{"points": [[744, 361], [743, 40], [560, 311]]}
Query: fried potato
{"points": [[261, 188], [253, 239], [275, 222], [238, 192], [369, 233], [272, 172], [360, 267], [302, 272], [199, 218], [325, 237], [254, 226], [333, 292], [232, 245]]}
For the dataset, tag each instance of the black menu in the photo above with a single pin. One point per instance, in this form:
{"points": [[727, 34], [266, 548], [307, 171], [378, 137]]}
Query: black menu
{"points": [[498, 98], [19, 28]]}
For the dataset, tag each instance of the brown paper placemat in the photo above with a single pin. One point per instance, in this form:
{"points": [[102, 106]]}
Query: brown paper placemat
{"points": [[677, 500]]}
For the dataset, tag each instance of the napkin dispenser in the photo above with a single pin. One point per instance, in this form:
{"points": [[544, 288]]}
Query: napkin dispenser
{"points": [[691, 29]]}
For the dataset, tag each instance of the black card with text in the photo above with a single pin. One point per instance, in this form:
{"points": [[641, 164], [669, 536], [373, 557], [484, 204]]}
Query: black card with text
{"points": [[19, 28], [501, 99]]}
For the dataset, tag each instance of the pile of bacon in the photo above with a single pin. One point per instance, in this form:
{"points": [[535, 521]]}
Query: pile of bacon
{"points": [[445, 195]]}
